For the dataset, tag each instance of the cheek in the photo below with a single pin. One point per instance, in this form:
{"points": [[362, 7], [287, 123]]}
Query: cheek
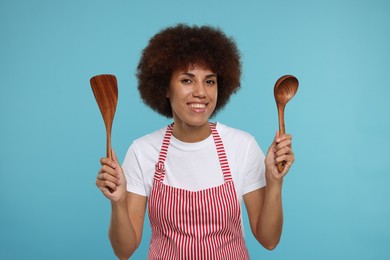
{"points": [[214, 93]]}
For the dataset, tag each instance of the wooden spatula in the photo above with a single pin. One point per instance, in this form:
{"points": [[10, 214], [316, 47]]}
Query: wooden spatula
{"points": [[105, 89]]}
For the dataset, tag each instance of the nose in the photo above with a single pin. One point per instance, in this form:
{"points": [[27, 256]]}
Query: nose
{"points": [[199, 90]]}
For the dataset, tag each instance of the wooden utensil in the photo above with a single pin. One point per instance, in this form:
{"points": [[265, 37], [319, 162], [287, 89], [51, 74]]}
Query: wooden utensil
{"points": [[105, 89], [284, 90]]}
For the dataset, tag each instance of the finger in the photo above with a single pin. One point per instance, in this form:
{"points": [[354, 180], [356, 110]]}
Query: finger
{"points": [[284, 137], [285, 150], [108, 161], [284, 172], [283, 143], [111, 185], [102, 184], [114, 156], [108, 177], [279, 175], [272, 147], [276, 174], [109, 170], [287, 167], [285, 158], [106, 191]]}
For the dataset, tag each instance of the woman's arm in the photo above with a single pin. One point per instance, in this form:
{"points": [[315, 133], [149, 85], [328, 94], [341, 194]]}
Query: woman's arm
{"points": [[265, 215], [127, 209], [264, 206], [127, 219]]}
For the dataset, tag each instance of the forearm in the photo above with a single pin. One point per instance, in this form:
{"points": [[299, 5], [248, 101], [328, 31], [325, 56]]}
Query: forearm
{"points": [[121, 232], [270, 224]]}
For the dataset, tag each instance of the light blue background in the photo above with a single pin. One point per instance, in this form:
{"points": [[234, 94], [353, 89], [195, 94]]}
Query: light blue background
{"points": [[336, 198]]}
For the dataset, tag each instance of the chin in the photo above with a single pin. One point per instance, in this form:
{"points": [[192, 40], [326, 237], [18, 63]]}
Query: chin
{"points": [[194, 122], [198, 123]]}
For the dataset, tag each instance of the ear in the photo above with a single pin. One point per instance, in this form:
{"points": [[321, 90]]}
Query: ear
{"points": [[167, 95]]}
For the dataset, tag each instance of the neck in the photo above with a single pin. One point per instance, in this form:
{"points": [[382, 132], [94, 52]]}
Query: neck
{"points": [[191, 134]]}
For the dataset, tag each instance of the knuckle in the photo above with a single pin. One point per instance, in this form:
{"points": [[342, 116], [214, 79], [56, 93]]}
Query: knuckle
{"points": [[105, 168], [109, 184]]}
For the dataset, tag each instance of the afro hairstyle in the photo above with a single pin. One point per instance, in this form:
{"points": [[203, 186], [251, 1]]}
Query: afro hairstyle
{"points": [[180, 47]]}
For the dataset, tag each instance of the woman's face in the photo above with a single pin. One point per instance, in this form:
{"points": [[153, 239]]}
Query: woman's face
{"points": [[193, 95]]}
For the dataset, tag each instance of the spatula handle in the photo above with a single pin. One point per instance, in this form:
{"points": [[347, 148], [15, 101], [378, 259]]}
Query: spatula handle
{"points": [[282, 130]]}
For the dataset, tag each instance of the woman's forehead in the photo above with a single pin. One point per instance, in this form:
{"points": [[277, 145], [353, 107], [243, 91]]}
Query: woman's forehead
{"points": [[194, 66]]}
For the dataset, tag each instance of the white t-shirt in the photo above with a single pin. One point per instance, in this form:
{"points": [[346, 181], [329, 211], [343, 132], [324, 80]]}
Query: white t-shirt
{"points": [[195, 166]]}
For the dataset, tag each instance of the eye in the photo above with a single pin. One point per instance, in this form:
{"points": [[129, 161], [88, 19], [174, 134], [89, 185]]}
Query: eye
{"points": [[186, 81], [210, 82]]}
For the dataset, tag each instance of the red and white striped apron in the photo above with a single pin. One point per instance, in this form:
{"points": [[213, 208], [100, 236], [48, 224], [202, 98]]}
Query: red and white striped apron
{"points": [[203, 224]]}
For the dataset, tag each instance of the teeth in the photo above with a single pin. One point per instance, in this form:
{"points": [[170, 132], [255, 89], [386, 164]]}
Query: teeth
{"points": [[198, 105]]}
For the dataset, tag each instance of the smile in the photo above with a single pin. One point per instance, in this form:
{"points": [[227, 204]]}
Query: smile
{"points": [[197, 105]]}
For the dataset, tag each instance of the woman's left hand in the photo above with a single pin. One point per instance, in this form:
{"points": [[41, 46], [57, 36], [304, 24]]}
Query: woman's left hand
{"points": [[279, 151]]}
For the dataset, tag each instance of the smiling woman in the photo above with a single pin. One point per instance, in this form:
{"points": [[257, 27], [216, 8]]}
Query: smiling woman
{"points": [[193, 97], [193, 174]]}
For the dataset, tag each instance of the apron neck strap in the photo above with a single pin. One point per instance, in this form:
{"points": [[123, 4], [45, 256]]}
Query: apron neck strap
{"points": [[160, 168], [221, 154]]}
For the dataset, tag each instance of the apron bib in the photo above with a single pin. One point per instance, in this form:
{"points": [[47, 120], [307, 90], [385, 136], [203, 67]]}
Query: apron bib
{"points": [[203, 224]]}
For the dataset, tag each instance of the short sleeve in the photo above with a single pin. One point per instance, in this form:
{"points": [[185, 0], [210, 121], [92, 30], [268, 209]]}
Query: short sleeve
{"points": [[255, 168], [133, 172]]}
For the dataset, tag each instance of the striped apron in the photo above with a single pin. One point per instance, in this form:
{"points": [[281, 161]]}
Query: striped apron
{"points": [[203, 224]]}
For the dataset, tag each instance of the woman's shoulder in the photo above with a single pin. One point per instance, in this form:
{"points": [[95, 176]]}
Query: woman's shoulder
{"points": [[157, 134], [234, 133], [152, 140]]}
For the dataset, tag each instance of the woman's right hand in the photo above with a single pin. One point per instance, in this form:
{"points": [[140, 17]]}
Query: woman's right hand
{"points": [[111, 179]]}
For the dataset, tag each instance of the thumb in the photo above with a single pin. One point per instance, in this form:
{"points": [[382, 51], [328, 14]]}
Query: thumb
{"points": [[276, 139], [277, 134], [114, 156], [273, 144]]}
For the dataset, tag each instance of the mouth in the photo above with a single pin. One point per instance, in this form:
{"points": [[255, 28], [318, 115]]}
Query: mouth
{"points": [[198, 107]]}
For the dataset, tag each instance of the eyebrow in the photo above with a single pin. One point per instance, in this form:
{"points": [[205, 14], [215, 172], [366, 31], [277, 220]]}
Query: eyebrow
{"points": [[193, 75]]}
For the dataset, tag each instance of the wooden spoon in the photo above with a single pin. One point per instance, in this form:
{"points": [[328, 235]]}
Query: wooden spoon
{"points": [[105, 89], [284, 90]]}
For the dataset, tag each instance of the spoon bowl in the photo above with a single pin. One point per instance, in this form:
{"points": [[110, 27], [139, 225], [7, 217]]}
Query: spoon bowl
{"points": [[285, 89], [105, 89]]}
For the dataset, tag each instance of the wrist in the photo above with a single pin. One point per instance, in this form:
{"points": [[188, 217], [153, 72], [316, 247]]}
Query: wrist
{"points": [[273, 193], [120, 203], [272, 180], [274, 186]]}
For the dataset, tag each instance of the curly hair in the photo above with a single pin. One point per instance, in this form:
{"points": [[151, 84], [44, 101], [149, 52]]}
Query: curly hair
{"points": [[179, 47]]}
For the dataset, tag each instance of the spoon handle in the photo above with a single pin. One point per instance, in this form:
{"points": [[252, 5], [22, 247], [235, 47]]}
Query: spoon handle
{"points": [[282, 130], [108, 143]]}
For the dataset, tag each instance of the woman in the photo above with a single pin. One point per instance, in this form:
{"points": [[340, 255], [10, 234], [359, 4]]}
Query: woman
{"points": [[193, 175]]}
